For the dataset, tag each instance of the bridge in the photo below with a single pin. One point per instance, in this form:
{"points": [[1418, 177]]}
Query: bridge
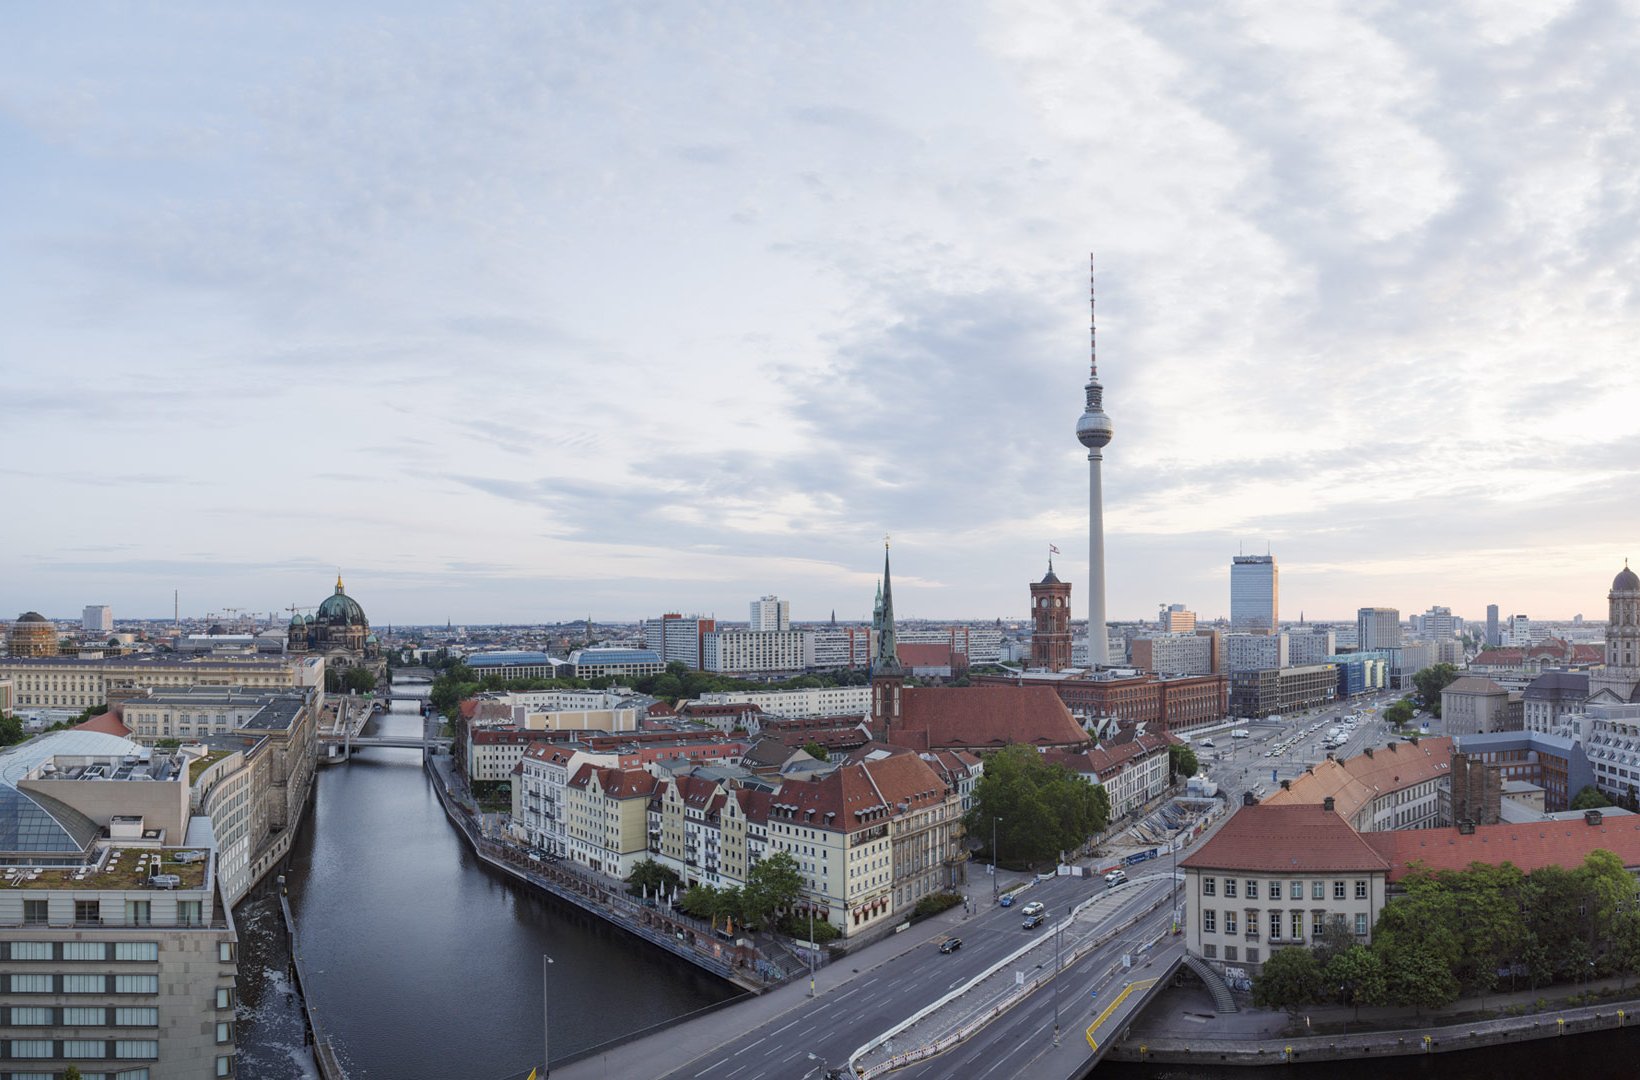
{"points": [[409, 742]]}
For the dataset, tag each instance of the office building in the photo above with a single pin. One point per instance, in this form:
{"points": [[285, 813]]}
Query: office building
{"points": [[1094, 431], [771, 614], [1174, 619], [1493, 638], [1255, 594], [1437, 624], [98, 619], [1310, 646], [1251, 652], [754, 652], [678, 637], [1377, 628], [1280, 691], [1174, 654]]}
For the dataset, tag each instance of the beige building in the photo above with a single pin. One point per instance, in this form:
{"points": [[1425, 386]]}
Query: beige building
{"points": [[1474, 705], [607, 818], [119, 954], [72, 683], [1277, 876], [32, 635]]}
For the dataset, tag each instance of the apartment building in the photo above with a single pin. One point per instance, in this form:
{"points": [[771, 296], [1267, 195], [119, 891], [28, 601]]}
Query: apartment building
{"points": [[819, 701], [1402, 785], [756, 652], [1132, 770]]}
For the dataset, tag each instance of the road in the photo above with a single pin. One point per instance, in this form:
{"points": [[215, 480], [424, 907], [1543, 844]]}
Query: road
{"points": [[822, 1034]]}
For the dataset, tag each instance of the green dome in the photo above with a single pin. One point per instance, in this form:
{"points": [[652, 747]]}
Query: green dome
{"points": [[341, 609]]}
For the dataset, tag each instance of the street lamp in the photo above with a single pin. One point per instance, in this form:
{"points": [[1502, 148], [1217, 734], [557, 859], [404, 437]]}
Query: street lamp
{"points": [[995, 889], [546, 1034], [1057, 931], [811, 948]]}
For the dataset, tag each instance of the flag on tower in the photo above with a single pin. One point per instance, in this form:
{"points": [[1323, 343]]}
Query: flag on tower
{"points": [[1053, 549]]}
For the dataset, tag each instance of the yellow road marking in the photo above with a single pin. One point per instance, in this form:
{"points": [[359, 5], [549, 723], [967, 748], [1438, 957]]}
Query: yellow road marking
{"points": [[1142, 984]]}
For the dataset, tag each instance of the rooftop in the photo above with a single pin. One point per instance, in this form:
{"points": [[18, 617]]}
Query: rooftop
{"points": [[1286, 839]]}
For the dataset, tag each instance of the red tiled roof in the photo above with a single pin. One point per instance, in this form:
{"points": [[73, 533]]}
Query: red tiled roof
{"points": [[616, 783], [924, 655], [1530, 846], [1354, 782], [859, 796], [1286, 839], [985, 717], [108, 723]]}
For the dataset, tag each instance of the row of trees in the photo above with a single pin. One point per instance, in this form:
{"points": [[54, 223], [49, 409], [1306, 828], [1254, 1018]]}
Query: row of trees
{"points": [[1470, 932], [1036, 809], [772, 888]]}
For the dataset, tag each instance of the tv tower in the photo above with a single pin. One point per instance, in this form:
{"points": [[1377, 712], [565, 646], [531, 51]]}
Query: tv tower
{"points": [[1094, 431]]}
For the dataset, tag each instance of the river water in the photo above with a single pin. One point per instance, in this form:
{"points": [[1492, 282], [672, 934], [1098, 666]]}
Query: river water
{"points": [[423, 962]]}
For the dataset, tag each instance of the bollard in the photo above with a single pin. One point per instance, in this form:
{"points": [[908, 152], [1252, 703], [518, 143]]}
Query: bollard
{"points": [[1619, 1017], [1427, 1041], [1562, 1023]]}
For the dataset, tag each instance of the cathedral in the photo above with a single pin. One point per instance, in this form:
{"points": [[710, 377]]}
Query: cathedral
{"points": [[339, 630], [1619, 681]]}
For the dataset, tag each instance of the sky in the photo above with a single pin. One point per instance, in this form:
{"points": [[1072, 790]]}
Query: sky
{"points": [[519, 312]]}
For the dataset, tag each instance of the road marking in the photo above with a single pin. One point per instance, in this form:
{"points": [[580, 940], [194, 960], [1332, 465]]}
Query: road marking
{"points": [[712, 1066], [778, 1030], [748, 1046]]}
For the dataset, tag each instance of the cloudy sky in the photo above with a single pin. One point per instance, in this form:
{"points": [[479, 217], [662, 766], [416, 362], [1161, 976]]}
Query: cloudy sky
{"points": [[516, 312]]}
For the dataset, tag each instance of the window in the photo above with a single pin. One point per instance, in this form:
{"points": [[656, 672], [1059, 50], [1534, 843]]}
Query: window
{"points": [[1229, 924], [33, 1048], [85, 950], [1298, 925], [31, 950], [1230, 953], [30, 984], [1318, 890], [84, 1017], [132, 1074], [136, 950], [36, 912], [226, 951], [224, 1032], [136, 984], [85, 984], [1210, 922], [1360, 924], [1360, 890], [224, 1066], [1252, 955], [1210, 886], [1275, 925], [137, 913], [25, 1016], [1338, 890], [87, 911], [1252, 889], [136, 1017], [188, 913], [1230, 888], [83, 1048], [1295, 890], [136, 1048], [1210, 951]]}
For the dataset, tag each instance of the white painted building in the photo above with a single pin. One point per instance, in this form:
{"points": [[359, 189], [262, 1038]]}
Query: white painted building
{"points": [[757, 652]]}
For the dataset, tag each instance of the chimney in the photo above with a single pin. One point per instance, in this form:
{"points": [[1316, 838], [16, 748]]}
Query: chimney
{"points": [[1247, 798], [1592, 817], [1327, 804], [1367, 751], [1286, 785], [1466, 828]]}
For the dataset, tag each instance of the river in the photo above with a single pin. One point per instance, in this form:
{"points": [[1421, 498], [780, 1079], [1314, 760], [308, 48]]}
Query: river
{"points": [[423, 962]]}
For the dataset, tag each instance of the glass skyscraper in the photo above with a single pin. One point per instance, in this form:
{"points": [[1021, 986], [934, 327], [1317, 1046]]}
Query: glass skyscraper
{"points": [[1255, 596]]}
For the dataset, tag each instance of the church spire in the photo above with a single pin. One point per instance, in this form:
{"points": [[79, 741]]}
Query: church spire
{"points": [[339, 581], [887, 660]]}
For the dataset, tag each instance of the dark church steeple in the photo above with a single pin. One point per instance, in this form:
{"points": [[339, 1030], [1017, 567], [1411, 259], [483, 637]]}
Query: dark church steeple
{"points": [[887, 676]]}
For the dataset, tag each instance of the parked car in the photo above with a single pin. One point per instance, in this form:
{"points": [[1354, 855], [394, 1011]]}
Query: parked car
{"points": [[1034, 921], [950, 945], [1007, 899]]}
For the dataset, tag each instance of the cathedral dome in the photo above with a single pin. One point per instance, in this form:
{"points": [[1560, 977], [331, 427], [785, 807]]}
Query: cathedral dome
{"points": [[340, 609], [1626, 581]]}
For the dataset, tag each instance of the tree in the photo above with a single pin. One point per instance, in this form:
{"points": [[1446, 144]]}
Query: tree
{"points": [[1400, 713], [1291, 978], [358, 680], [1181, 761], [651, 875], [1590, 798], [815, 751], [1419, 977], [772, 886], [1038, 809], [1430, 682], [72, 1073], [1359, 976], [11, 730]]}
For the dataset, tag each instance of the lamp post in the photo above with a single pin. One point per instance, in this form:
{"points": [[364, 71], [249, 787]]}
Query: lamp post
{"points": [[811, 948], [1057, 931], [546, 1033], [995, 887]]}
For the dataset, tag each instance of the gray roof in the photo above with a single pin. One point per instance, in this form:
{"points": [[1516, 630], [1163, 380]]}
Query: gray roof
{"points": [[32, 822], [1558, 684]]}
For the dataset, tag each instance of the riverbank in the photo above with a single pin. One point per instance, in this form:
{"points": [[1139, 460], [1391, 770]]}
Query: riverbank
{"points": [[736, 961], [1181, 1028]]}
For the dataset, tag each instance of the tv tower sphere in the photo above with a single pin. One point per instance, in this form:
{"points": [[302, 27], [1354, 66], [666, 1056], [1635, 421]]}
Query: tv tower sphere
{"points": [[1094, 429]]}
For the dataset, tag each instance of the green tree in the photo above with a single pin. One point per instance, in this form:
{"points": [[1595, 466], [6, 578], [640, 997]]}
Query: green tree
{"points": [[11, 730], [1430, 682], [1400, 713], [1358, 975], [647, 873], [1420, 977], [358, 680], [815, 751], [772, 886], [1291, 978], [1590, 798], [1039, 809], [1181, 761], [72, 1073]]}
